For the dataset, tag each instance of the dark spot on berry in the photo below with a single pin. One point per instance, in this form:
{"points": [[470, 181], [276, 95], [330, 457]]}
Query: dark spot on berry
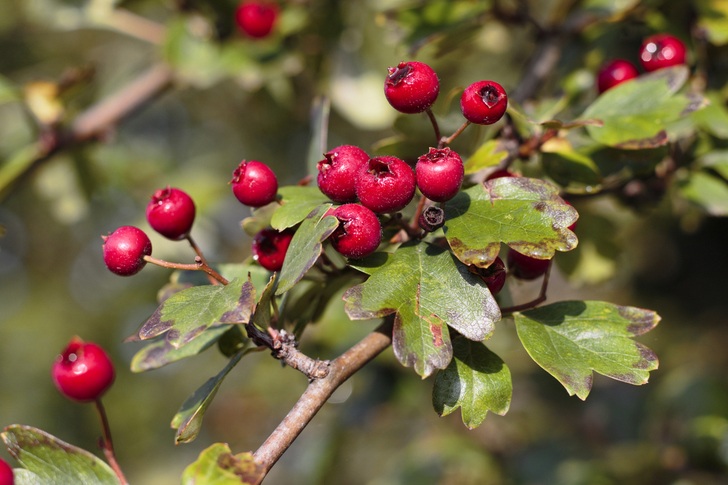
{"points": [[491, 96], [399, 73]]}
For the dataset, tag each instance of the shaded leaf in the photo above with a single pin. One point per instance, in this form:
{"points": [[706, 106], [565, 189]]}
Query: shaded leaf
{"points": [[297, 202], [55, 462], [17, 165], [524, 213], [476, 381], [713, 20], [216, 465], [262, 314], [707, 191], [489, 154], [426, 289], [571, 339], [160, 353], [569, 167]]}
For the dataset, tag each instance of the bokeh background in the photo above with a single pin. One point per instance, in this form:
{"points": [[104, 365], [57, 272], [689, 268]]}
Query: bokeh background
{"points": [[234, 98]]}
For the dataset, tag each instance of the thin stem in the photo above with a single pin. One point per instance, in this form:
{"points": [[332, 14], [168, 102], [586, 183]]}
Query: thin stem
{"points": [[536, 301], [198, 252], [198, 265], [107, 444], [446, 141], [415, 223], [435, 126]]}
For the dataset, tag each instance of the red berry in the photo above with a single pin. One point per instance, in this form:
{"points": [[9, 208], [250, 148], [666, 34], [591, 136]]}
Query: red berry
{"points": [[6, 473], [411, 87], [254, 183], [256, 19], [661, 50], [338, 170], [385, 184], [615, 72], [484, 102], [270, 247], [494, 276], [124, 250], [359, 232], [439, 174], [500, 173], [525, 267], [83, 372], [171, 213]]}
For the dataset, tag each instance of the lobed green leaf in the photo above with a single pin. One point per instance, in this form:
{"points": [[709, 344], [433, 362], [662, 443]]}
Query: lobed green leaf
{"points": [[296, 203], [217, 465]]}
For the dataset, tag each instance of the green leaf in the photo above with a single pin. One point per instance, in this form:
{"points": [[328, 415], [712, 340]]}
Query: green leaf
{"points": [[714, 117], [262, 314], [713, 20], [297, 202], [571, 339], [188, 313], [9, 91], [707, 191], [490, 154], [476, 381], [524, 213], [305, 247], [216, 465], [426, 289], [160, 353], [54, 461], [20, 162], [635, 113], [188, 419], [568, 167]]}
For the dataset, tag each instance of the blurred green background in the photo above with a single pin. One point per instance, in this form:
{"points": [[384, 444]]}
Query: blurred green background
{"points": [[234, 98]]}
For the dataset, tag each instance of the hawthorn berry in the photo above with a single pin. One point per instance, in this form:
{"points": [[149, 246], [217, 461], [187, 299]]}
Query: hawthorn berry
{"points": [[256, 19], [661, 50], [525, 267], [615, 72], [171, 213], [439, 174], [359, 232], [270, 247], [494, 276], [385, 184], [484, 102], [124, 250], [83, 371], [411, 87], [6, 473], [254, 183], [337, 172]]}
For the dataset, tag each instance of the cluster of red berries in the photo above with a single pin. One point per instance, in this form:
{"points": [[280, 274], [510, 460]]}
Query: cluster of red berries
{"points": [[657, 52], [256, 19]]}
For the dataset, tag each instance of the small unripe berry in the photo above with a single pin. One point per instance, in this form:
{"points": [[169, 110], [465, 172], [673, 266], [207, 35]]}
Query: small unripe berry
{"points": [[385, 184], [256, 19], [484, 102], [6, 473], [254, 183], [439, 174], [83, 372], [615, 72], [124, 250], [171, 213], [662, 50], [270, 247], [525, 267], [359, 232], [411, 87], [338, 170]]}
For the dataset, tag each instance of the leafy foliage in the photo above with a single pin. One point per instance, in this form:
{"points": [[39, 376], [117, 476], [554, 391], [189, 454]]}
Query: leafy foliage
{"points": [[217, 465]]}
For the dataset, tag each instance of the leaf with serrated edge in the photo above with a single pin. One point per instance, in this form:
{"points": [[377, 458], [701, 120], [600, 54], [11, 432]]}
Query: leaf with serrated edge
{"points": [[55, 461], [305, 247], [526, 214], [217, 465], [476, 381], [426, 289], [187, 314], [160, 353], [571, 339], [297, 202]]}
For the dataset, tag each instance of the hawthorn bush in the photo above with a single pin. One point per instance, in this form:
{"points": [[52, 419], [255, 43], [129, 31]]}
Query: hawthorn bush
{"points": [[514, 217]]}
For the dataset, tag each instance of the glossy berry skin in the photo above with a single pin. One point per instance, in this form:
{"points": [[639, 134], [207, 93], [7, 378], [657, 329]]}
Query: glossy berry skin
{"points": [[359, 232], [615, 72], [83, 372], [411, 87], [270, 247], [484, 102], [256, 19], [338, 170], [6, 473], [385, 184], [124, 250], [254, 183], [525, 267], [494, 276], [171, 213], [661, 50], [439, 174]]}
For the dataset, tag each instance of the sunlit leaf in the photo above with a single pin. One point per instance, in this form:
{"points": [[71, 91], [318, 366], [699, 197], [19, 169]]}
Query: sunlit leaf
{"points": [[160, 353], [297, 202], [489, 154], [217, 465]]}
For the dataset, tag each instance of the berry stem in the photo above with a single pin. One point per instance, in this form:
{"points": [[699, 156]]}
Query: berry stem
{"points": [[536, 301], [107, 444], [444, 141], [198, 251], [435, 126], [198, 265]]}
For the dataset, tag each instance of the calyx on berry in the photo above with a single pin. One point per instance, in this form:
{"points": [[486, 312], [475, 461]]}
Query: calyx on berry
{"points": [[615, 72], [270, 247], [124, 250], [359, 232], [171, 213], [338, 170], [83, 371], [385, 184], [484, 102], [439, 174], [525, 267], [256, 19], [662, 50], [431, 219], [6, 473], [411, 87], [254, 183]]}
